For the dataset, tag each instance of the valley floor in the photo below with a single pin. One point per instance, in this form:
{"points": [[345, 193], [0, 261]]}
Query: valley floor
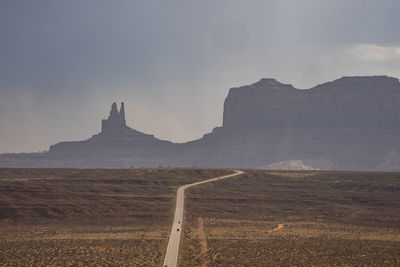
{"points": [[69, 217]]}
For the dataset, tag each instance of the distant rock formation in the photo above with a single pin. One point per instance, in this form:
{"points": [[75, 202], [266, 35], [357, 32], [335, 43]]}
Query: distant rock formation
{"points": [[115, 143], [290, 165], [116, 120], [352, 123], [349, 101], [115, 127]]}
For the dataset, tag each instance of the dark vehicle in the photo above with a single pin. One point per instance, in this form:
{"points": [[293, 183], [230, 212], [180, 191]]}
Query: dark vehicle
{"points": [[177, 229]]}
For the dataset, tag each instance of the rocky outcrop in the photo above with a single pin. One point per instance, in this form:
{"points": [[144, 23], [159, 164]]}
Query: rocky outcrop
{"points": [[289, 165], [352, 123], [116, 120], [116, 141], [349, 101]]}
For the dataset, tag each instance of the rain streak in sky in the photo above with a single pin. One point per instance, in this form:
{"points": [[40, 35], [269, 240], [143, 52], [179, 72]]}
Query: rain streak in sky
{"points": [[62, 63]]}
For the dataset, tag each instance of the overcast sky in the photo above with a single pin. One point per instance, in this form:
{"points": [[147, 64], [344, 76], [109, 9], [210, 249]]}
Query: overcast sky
{"points": [[62, 63]]}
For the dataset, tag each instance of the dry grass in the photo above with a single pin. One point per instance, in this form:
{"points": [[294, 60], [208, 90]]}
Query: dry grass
{"points": [[77, 252], [295, 219], [69, 217]]}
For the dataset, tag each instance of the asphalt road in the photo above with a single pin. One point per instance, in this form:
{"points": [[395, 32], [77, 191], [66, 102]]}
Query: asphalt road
{"points": [[171, 256]]}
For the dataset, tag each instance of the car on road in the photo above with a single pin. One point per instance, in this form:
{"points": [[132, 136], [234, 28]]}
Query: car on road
{"points": [[177, 229]]}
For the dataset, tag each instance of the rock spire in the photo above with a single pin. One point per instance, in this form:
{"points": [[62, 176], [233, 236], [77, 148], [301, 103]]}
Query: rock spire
{"points": [[114, 112], [121, 114], [116, 120]]}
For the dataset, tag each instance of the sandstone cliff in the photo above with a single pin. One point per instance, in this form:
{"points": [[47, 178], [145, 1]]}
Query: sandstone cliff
{"points": [[352, 123], [349, 101]]}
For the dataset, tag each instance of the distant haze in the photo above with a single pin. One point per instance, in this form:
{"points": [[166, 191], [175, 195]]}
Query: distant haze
{"points": [[62, 63]]}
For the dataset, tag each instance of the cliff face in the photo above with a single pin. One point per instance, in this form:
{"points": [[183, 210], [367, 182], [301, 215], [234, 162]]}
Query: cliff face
{"points": [[347, 102], [350, 124]]}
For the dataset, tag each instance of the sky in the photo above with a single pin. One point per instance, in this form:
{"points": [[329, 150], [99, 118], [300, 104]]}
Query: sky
{"points": [[63, 63]]}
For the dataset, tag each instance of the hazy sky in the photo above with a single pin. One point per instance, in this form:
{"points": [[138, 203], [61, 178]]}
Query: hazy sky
{"points": [[62, 63]]}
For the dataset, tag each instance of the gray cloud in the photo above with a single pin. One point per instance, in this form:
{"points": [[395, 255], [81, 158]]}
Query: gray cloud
{"points": [[62, 63]]}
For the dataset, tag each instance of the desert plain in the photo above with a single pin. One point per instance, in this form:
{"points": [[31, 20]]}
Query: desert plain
{"points": [[122, 217]]}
